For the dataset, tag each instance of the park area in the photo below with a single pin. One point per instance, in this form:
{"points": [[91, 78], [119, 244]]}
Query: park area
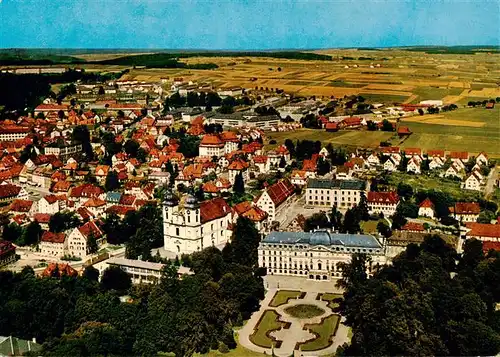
{"points": [[292, 320]]}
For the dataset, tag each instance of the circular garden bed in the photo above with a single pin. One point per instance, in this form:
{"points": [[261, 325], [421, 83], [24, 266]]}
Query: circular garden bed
{"points": [[304, 311]]}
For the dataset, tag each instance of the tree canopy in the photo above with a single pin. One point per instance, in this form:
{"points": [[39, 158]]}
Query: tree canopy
{"points": [[424, 303]]}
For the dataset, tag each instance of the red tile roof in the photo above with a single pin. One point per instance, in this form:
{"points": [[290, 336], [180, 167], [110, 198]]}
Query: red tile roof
{"points": [[214, 209], [484, 230], [390, 149], [94, 202], [64, 270], [119, 210], [127, 200], [404, 130], [332, 126], [383, 197], [90, 228], [84, 213], [229, 136], [86, 190], [352, 121], [488, 245], [52, 107], [8, 191], [242, 207], [466, 208], [21, 205], [427, 203], [255, 214], [462, 155], [41, 217], [413, 226], [209, 187], [238, 164], [280, 191], [433, 153], [51, 237], [211, 140], [413, 151]]}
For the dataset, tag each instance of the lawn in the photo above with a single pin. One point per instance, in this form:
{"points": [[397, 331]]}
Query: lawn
{"points": [[352, 138], [426, 93], [268, 322], [383, 98], [423, 182], [282, 296], [370, 226], [304, 311], [324, 330], [330, 297]]}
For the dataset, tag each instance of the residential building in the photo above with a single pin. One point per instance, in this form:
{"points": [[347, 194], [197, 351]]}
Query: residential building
{"points": [[382, 202], [483, 231], [276, 198], [190, 226], [53, 244], [465, 211], [472, 182], [78, 239], [315, 255], [341, 193], [13, 132], [7, 252], [212, 145], [426, 208]]}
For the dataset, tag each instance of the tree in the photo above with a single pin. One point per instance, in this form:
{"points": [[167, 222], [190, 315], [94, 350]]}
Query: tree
{"points": [[316, 221], [12, 232], [323, 167], [486, 216], [351, 221], [387, 125], [92, 246], [114, 278], [81, 134], [282, 163], [384, 229], [112, 183], [131, 147], [362, 208], [239, 184], [244, 242], [336, 219], [62, 221], [398, 220], [32, 233], [91, 273], [404, 190]]}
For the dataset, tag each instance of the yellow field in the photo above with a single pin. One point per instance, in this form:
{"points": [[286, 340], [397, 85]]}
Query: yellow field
{"points": [[442, 120], [401, 73]]}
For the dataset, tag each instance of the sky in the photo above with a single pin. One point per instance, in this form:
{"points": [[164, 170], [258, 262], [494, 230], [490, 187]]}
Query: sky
{"points": [[246, 25]]}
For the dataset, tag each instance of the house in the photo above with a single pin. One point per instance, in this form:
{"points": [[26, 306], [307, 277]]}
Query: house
{"points": [[482, 159], [255, 214], [297, 224], [391, 164], [8, 192], [472, 182], [454, 171], [404, 131], [413, 227], [436, 162], [276, 198], [382, 202], [236, 167], [298, 177], [462, 156], [59, 270], [373, 159], [333, 192], [7, 252], [78, 239], [490, 105], [101, 171], [190, 226], [483, 231], [414, 166], [211, 145], [23, 207], [426, 208], [465, 211], [51, 204], [53, 244]]}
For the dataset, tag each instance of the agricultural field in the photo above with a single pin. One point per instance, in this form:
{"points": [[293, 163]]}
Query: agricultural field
{"points": [[386, 76]]}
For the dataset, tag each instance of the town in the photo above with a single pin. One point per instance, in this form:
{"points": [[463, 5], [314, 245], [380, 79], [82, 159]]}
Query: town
{"points": [[138, 176]]}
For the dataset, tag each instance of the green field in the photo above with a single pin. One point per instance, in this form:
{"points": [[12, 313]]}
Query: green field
{"points": [[426, 93], [352, 138], [426, 135], [339, 83], [383, 98], [325, 330], [457, 137], [282, 296], [269, 322]]}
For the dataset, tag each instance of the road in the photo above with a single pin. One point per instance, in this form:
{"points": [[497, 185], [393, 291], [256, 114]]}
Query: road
{"points": [[490, 182]]}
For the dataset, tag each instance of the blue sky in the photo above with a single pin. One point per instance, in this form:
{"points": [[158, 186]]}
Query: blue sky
{"points": [[239, 24]]}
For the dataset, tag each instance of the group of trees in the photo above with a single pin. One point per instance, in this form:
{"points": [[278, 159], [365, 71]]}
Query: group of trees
{"points": [[184, 317], [483, 103], [425, 303], [22, 235]]}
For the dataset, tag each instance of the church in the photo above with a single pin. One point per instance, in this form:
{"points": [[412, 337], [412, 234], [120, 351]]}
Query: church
{"points": [[190, 226]]}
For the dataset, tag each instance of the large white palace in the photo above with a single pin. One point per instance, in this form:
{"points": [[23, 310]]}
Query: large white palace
{"points": [[329, 192], [315, 255], [190, 226]]}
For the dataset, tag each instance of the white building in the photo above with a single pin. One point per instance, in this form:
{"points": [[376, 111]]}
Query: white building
{"points": [[327, 193], [472, 182], [382, 202], [276, 198], [53, 244], [315, 255], [190, 226], [138, 270], [212, 145]]}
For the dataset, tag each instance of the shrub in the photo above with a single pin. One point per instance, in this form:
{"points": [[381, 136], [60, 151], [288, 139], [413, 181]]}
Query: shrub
{"points": [[223, 347]]}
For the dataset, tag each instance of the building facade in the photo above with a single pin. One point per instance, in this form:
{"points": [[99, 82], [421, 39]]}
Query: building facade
{"points": [[341, 193], [315, 255], [189, 226]]}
